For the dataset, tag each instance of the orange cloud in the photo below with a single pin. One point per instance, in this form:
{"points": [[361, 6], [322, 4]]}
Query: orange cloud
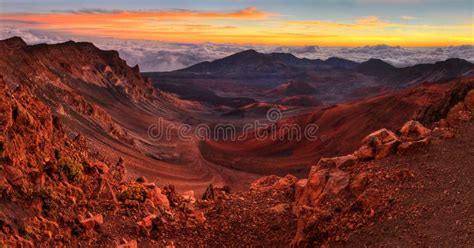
{"points": [[102, 17], [372, 21], [362, 22], [171, 25], [248, 25]]}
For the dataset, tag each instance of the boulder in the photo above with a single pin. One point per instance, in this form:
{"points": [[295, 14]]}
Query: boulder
{"points": [[189, 196], [469, 100], [458, 114], [412, 145], [17, 179], [365, 152], [105, 191], [119, 171], [273, 183], [359, 184], [322, 182], [200, 217], [378, 144], [285, 182], [214, 193], [128, 244], [100, 166], [299, 187], [443, 123], [158, 198], [147, 222], [445, 133], [209, 193], [328, 194], [92, 221], [414, 131], [339, 162], [264, 183]]}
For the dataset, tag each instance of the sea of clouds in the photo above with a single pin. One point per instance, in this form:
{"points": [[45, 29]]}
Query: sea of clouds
{"points": [[167, 56]]}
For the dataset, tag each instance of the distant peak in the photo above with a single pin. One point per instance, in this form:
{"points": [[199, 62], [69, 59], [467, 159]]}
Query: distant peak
{"points": [[372, 60], [334, 59], [454, 60], [249, 51], [14, 41], [378, 62]]}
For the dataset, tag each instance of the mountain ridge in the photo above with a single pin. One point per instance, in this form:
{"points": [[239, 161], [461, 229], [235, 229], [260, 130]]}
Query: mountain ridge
{"points": [[251, 74], [332, 62]]}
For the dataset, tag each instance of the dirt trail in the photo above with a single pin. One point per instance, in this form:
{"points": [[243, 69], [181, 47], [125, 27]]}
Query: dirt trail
{"points": [[436, 207]]}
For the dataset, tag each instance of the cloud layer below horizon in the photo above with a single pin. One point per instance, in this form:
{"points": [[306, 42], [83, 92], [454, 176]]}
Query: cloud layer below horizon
{"points": [[166, 56]]}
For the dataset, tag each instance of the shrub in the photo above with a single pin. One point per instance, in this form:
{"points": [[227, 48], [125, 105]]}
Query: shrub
{"points": [[134, 192], [71, 168]]}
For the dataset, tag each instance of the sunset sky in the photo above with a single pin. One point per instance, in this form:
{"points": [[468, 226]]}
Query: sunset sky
{"points": [[408, 23]]}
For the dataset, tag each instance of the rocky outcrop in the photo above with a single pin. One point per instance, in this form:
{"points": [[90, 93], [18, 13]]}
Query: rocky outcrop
{"points": [[458, 114], [341, 192], [413, 135], [378, 144], [55, 192], [273, 183], [339, 162], [469, 100], [332, 200]]}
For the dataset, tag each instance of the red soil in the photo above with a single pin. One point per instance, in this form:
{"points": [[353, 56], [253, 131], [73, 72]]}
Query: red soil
{"points": [[341, 127]]}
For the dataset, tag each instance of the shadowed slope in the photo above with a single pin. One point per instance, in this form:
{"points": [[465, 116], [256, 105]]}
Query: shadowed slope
{"points": [[341, 127], [97, 95]]}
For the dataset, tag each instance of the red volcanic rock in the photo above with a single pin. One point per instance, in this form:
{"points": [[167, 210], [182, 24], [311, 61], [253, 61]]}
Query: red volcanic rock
{"points": [[209, 193], [444, 132], [413, 131], [17, 179], [147, 222], [213, 193], [412, 145], [264, 183], [443, 123], [326, 189], [299, 187], [469, 100], [339, 162], [128, 244], [273, 183], [322, 181], [119, 171], [92, 221], [105, 191], [413, 136], [189, 196], [458, 114], [200, 217], [158, 198], [360, 183], [378, 144], [100, 166], [365, 152]]}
